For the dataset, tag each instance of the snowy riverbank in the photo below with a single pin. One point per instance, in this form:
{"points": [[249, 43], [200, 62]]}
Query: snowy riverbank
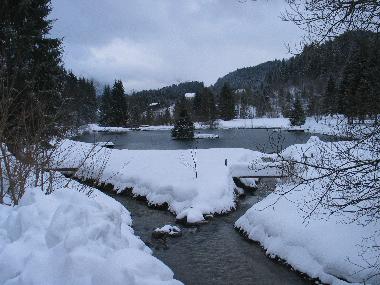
{"points": [[68, 238], [330, 246], [192, 183], [257, 123], [328, 125]]}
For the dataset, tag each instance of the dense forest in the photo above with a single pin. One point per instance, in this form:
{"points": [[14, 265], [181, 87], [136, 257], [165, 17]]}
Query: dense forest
{"points": [[337, 76]]}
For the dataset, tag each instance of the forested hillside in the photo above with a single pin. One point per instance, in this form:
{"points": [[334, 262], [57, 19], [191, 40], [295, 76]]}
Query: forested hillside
{"points": [[350, 64], [247, 77], [337, 76]]}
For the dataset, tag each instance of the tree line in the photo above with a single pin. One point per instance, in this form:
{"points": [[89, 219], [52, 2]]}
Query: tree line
{"points": [[118, 109], [335, 76]]}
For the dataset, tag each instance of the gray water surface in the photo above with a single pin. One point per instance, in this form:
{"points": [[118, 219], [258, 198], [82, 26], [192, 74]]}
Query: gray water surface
{"points": [[266, 140], [213, 253]]}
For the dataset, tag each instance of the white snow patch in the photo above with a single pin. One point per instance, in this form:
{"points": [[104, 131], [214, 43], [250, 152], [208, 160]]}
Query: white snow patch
{"points": [[325, 246], [169, 229], [69, 238], [97, 128], [206, 136], [189, 95], [165, 176], [254, 123]]}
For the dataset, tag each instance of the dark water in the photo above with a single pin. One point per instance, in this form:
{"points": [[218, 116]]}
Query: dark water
{"points": [[213, 253], [266, 140]]}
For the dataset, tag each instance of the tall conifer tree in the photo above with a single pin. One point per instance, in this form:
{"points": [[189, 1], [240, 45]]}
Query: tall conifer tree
{"points": [[119, 105], [226, 103]]}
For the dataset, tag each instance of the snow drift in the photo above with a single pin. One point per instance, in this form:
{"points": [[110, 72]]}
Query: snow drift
{"points": [[331, 247], [192, 182], [69, 238]]}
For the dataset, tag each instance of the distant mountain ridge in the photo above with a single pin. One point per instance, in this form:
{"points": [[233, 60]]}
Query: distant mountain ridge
{"points": [[246, 77], [347, 62]]}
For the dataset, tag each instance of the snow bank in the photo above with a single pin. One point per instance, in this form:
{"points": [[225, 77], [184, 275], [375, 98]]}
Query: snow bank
{"points": [[192, 182], [206, 136], [220, 124], [325, 246], [97, 128], [254, 123], [156, 128], [69, 238], [327, 125], [337, 125]]}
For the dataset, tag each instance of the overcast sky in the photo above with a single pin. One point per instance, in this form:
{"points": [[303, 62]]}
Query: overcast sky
{"points": [[154, 43]]}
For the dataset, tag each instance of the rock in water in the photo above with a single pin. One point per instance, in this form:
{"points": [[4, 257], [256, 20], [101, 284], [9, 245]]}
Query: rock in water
{"points": [[167, 231]]}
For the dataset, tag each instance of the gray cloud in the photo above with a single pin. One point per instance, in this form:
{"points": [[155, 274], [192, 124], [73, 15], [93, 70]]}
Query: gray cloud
{"points": [[153, 43]]}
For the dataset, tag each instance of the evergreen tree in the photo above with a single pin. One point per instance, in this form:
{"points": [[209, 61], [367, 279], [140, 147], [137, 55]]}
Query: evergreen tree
{"points": [[329, 100], [90, 106], [167, 117], [285, 99], [197, 104], [226, 103], [373, 74], [180, 105], [245, 98], [149, 119], [119, 105], [204, 108], [106, 107], [297, 116], [80, 95], [183, 127], [352, 94], [207, 111], [262, 101], [314, 108], [30, 69]]}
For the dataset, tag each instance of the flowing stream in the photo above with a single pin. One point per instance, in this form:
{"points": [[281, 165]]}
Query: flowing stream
{"points": [[213, 253]]}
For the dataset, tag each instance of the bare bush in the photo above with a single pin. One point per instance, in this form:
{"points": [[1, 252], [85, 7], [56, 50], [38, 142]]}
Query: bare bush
{"points": [[323, 19]]}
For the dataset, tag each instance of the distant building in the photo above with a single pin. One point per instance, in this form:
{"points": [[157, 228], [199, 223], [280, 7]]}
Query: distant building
{"points": [[189, 96], [153, 104]]}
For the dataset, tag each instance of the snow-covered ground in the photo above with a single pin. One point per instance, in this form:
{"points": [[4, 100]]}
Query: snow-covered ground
{"points": [[236, 124], [233, 124], [192, 182], [206, 136], [254, 123], [97, 128], [68, 238], [330, 246], [329, 125]]}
